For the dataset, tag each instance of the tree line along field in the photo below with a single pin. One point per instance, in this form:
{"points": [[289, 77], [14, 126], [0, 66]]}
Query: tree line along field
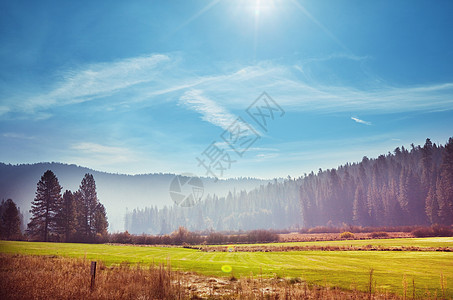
{"points": [[431, 272]]}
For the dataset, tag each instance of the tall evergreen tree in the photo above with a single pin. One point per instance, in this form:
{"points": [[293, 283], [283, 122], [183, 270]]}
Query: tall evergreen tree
{"points": [[432, 206], [335, 207], [100, 221], [375, 204], [45, 207], [9, 220], [416, 201], [89, 202], [393, 208], [445, 185], [360, 209], [79, 207], [403, 197], [427, 166], [67, 216], [348, 189]]}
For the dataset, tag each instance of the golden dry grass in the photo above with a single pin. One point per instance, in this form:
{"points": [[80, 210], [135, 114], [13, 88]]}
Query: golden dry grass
{"points": [[314, 237], [33, 277]]}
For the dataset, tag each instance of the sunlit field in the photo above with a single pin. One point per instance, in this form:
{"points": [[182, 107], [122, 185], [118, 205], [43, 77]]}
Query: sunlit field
{"points": [[393, 271], [226, 149]]}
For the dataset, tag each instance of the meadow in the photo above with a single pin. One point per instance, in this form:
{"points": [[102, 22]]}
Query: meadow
{"points": [[428, 272]]}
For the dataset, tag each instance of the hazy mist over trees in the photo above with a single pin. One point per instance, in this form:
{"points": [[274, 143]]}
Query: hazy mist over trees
{"points": [[275, 205], [406, 187], [117, 192]]}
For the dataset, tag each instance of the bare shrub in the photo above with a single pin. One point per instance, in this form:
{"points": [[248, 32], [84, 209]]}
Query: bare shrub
{"points": [[435, 230], [378, 234], [346, 235]]}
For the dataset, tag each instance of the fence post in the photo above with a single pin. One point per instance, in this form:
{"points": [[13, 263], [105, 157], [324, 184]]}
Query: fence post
{"points": [[93, 274]]}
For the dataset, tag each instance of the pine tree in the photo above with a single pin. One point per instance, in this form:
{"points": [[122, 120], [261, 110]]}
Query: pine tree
{"points": [[44, 207], [67, 216], [348, 189], [445, 185], [100, 221], [432, 206], [335, 207], [9, 220], [427, 166], [360, 209], [375, 204], [89, 202], [393, 209], [403, 198], [416, 201], [79, 208]]}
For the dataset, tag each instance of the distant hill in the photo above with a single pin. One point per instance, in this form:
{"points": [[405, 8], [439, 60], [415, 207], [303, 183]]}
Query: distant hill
{"points": [[117, 192]]}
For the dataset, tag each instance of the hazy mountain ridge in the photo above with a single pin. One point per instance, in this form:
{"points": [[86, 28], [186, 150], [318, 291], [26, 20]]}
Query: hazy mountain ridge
{"points": [[406, 187], [116, 191]]}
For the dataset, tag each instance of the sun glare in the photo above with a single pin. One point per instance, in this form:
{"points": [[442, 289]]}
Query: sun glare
{"points": [[260, 7]]}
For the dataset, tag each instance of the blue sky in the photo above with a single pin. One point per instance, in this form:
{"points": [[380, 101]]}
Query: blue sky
{"points": [[146, 86]]}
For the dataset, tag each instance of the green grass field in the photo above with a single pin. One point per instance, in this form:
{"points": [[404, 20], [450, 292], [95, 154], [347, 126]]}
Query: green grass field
{"points": [[344, 269]]}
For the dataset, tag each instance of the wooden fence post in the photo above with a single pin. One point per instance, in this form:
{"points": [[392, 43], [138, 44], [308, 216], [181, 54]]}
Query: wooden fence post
{"points": [[93, 274]]}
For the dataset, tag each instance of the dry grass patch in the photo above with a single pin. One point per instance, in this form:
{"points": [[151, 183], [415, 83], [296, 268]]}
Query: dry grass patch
{"points": [[48, 277]]}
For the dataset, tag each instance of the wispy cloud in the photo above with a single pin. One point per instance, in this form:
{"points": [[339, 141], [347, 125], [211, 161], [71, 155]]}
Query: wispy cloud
{"points": [[149, 79], [295, 93], [214, 113], [96, 81], [361, 121], [102, 153], [239, 88], [211, 112], [265, 156], [14, 135]]}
